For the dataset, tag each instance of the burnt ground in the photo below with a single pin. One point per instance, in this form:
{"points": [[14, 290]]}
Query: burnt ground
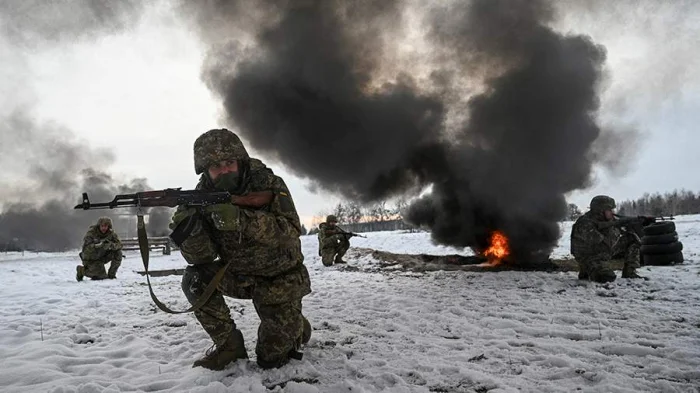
{"points": [[388, 261]]}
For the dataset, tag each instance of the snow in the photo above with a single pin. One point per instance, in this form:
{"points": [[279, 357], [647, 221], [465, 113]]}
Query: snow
{"points": [[374, 331]]}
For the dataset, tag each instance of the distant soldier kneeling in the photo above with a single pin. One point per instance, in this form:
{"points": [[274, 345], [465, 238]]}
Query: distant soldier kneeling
{"points": [[333, 241], [101, 246]]}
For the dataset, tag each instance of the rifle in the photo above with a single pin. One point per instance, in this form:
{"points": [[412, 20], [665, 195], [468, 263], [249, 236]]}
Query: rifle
{"points": [[636, 224], [350, 234], [172, 197]]}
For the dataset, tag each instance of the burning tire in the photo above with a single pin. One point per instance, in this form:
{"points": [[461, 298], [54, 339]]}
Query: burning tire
{"points": [[660, 228], [666, 238], [663, 259], [670, 248]]}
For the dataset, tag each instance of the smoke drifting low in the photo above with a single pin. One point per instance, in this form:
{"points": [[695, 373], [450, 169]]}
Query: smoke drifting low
{"points": [[45, 169], [499, 159], [48, 170]]}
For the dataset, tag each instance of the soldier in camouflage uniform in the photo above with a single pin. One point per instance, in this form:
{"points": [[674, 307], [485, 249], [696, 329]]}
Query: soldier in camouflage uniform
{"points": [[101, 245], [333, 242], [596, 238], [261, 248]]}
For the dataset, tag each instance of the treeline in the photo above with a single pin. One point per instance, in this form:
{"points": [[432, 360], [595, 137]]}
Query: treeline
{"points": [[350, 213], [670, 203]]}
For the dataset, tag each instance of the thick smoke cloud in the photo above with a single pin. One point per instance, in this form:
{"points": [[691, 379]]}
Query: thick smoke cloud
{"points": [[528, 136], [500, 158], [49, 169]]}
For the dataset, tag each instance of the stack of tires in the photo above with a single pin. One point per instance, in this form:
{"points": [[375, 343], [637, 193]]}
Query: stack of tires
{"points": [[660, 245]]}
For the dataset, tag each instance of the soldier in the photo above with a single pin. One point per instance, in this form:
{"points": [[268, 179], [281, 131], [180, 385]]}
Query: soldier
{"points": [[101, 246], [596, 238], [333, 242], [261, 249]]}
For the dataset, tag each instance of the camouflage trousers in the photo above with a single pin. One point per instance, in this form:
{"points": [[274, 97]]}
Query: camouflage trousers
{"points": [[96, 269], [598, 267], [277, 302], [334, 247]]}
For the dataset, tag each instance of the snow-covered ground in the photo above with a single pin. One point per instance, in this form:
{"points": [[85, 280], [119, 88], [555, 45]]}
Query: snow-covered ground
{"points": [[390, 331]]}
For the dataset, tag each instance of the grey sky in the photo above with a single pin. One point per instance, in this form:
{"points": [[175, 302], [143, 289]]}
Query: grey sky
{"points": [[138, 93]]}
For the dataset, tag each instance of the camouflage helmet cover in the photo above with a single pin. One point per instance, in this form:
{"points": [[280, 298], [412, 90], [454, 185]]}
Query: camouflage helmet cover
{"points": [[602, 203], [332, 218], [215, 146], [104, 220]]}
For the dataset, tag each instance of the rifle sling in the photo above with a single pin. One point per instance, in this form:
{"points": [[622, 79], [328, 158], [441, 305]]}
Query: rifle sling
{"points": [[145, 251]]}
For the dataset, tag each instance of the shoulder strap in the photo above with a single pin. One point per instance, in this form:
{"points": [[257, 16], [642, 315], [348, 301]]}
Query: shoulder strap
{"points": [[145, 252]]}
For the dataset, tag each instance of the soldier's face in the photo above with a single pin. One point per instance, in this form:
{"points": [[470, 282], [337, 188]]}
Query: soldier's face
{"points": [[222, 168], [331, 223], [104, 228], [608, 215]]}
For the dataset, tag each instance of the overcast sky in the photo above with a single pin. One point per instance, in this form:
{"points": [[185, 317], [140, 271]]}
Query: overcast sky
{"points": [[138, 94]]}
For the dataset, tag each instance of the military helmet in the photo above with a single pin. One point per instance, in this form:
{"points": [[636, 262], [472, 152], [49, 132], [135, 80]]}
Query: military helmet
{"points": [[332, 218], [215, 146], [602, 203], [104, 220]]}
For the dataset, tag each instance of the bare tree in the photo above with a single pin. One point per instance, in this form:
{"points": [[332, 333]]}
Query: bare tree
{"points": [[670, 203], [341, 213], [354, 213], [574, 212]]}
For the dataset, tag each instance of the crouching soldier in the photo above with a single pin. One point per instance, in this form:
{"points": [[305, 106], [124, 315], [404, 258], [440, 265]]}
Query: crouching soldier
{"points": [[253, 252], [333, 241], [596, 239], [101, 246]]}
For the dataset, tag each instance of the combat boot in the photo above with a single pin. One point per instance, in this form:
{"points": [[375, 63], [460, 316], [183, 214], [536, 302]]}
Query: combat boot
{"points": [[339, 260], [603, 275], [218, 357], [583, 275], [632, 273], [80, 272]]}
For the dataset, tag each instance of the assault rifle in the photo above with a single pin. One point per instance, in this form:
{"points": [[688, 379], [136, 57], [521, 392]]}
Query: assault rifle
{"points": [[637, 223], [172, 197], [350, 234]]}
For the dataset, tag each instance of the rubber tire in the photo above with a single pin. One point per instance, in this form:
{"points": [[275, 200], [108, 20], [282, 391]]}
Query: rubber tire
{"points": [[659, 228], [656, 249], [666, 238], [663, 259]]}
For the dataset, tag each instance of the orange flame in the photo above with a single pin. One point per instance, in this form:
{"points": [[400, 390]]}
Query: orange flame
{"points": [[497, 250]]}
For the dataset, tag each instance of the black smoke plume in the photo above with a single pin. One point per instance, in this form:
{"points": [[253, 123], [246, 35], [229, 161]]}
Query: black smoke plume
{"points": [[501, 134], [46, 171], [527, 140]]}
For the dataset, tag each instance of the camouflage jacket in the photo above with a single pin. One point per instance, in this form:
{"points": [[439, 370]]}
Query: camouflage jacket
{"points": [[326, 233], [257, 241], [593, 238], [96, 245]]}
